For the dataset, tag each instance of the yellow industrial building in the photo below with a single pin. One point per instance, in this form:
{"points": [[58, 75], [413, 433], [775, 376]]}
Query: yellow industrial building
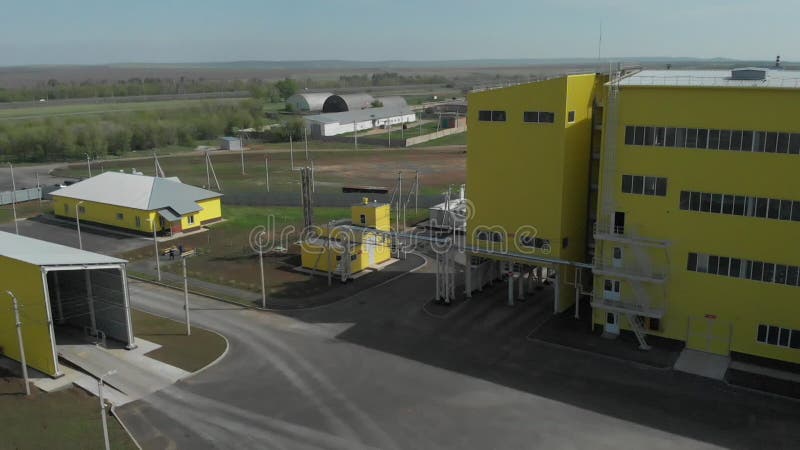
{"points": [[138, 203], [671, 198], [59, 288], [351, 245]]}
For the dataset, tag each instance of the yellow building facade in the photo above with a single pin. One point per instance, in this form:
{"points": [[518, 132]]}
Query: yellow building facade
{"points": [[700, 209], [690, 199], [138, 203], [349, 248], [527, 174]]}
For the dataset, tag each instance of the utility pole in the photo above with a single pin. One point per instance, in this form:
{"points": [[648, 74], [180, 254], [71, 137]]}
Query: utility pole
{"points": [[389, 127], [103, 405], [78, 221], [155, 248], [21, 345], [14, 198], [186, 297], [355, 129], [305, 138], [208, 173], [416, 191], [266, 170], [89, 165], [291, 151], [242, 152], [261, 267]]}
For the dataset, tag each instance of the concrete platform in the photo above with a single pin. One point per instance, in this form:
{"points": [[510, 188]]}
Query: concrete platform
{"points": [[704, 364]]}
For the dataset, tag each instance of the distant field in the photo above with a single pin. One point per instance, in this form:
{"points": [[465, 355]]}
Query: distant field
{"points": [[334, 169], [103, 108]]}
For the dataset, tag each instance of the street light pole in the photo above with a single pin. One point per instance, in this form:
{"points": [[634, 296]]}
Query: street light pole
{"points": [[21, 345], [186, 297], [261, 266], [266, 168], [103, 406], [155, 248], [89, 165], [305, 138], [78, 220], [14, 197]]}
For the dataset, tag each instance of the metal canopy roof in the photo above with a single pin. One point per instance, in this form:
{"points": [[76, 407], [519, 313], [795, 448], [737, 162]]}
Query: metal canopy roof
{"points": [[138, 192], [43, 253], [786, 79]]}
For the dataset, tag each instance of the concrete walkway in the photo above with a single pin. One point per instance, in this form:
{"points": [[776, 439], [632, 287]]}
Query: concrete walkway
{"points": [[704, 364], [137, 375]]}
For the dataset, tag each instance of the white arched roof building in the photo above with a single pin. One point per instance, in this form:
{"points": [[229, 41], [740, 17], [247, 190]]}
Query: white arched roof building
{"points": [[308, 101], [347, 102]]}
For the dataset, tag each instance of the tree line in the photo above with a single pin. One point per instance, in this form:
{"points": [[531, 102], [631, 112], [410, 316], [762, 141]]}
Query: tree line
{"points": [[70, 138]]}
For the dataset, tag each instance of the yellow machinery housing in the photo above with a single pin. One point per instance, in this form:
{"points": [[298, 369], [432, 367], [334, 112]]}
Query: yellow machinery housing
{"points": [[349, 247], [679, 189]]}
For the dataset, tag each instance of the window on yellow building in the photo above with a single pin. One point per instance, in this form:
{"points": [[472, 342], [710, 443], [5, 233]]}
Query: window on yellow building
{"points": [[363, 219], [81, 209], [120, 216], [491, 116], [571, 116], [190, 220]]}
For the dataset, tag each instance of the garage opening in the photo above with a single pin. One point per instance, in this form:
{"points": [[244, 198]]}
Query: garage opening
{"points": [[89, 303]]}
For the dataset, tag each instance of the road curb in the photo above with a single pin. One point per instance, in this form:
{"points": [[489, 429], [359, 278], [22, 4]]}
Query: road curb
{"points": [[124, 427]]}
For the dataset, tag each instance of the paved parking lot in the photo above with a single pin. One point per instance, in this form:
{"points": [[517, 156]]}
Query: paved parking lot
{"points": [[377, 370], [95, 239]]}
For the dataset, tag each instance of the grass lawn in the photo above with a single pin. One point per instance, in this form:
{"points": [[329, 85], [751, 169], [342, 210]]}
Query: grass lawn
{"points": [[45, 110], [333, 169], [225, 256], [24, 210], [190, 353], [453, 139], [68, 419]]}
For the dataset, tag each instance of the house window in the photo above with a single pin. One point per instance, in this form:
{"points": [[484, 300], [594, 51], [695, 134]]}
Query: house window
{"points": [[484, 235], [353, 257], [640, 184], [492, 116], [66, 209], [655, 324], [120, 216], [564, 242], [571, 116], [538, 117], [362, 218], [190, 220], [81, 209], [138, 222]]}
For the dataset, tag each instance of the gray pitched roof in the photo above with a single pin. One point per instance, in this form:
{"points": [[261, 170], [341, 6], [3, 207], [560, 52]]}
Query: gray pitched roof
{"points": [[138, 192], [361, 115], [43, 253]]}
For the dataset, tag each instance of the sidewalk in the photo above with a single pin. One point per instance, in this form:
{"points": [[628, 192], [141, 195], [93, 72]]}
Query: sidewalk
{"points": [[563, 329]]}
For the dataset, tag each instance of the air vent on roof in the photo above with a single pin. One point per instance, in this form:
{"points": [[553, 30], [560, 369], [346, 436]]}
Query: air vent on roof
{"points": [[748, 74]]}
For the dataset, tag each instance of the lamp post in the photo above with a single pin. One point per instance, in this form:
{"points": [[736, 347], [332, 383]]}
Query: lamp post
{"points": [[155, 247], [21, 345], [89, 165], [103, 405], [14, 197], [261, 266], [78, 220], [186, 297]]}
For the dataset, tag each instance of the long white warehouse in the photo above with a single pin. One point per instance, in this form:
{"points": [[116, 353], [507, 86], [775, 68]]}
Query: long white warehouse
{"points": [[333, 124]]}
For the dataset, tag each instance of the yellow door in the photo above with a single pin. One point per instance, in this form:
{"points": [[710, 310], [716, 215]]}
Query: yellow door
{"points": [[710, 334]]}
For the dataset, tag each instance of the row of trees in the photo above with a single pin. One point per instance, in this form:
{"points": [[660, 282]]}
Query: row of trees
{"points": [[58, 139]]}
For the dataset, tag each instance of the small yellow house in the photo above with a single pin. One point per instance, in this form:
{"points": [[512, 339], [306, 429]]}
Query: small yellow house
{"points": [[348, 248], [138, 203]]}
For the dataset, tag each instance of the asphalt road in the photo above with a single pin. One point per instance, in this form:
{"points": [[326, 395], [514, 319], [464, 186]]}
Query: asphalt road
{"points": [[94, 239], [377, 371], [25, 176]]}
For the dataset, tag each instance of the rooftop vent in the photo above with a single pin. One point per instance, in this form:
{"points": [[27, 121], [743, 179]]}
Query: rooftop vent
{"points": [[753, 74]]}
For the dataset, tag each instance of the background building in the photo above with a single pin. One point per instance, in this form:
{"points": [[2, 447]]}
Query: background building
{"points": [[308, 101], [347, 102], [138, 203], [60, 288], [332, 124], [230, 143]]}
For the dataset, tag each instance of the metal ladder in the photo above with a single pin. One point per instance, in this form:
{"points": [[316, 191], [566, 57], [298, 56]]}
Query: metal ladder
{"points": [[637, 326]]}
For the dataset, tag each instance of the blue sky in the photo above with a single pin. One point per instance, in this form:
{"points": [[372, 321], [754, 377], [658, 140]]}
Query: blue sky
{"points": [[92, 31]]}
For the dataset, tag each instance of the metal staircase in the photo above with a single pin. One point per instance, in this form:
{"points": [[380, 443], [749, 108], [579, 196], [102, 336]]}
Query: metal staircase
{"points": [[638, 271]]}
